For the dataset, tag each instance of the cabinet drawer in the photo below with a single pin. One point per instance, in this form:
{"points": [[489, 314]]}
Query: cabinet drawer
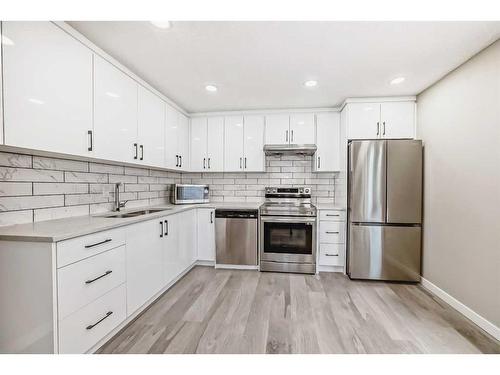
{"points": [[331, 232], [82, 282], [331, 215], [331, 254], [75, 249], [84, 328]]}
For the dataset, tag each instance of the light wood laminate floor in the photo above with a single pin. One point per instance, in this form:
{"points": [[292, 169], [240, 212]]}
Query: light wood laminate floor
{"points": [[232, 311]]}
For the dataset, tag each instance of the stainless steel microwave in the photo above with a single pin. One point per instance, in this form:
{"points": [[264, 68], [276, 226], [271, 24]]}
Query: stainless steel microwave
{"points": [[187, 194]]}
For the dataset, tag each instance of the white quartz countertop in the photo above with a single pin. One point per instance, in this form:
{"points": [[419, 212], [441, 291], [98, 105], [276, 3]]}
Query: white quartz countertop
{"points": [[63, 229]]}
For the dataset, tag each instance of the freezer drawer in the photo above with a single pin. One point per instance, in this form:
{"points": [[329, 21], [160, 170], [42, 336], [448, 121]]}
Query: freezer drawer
{"points": [[379, 252]]}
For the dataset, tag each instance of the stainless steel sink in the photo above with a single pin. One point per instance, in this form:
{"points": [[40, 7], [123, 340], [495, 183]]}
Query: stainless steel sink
{"points": [[137, 213]]}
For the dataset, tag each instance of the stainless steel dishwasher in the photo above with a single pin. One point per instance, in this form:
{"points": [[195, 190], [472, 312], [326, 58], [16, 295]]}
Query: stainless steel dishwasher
{"points": [[236, 237]]}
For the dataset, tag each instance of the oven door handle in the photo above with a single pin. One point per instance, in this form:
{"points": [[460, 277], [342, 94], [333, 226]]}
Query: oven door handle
{"points": [[288, 219]]}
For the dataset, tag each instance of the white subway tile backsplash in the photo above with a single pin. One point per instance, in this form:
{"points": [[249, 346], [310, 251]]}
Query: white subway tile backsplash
{"points": [[137, 171], [15, 160], [60, 164], [15, 188], [30, 202], [78, 199], [106, 168], [86, 177], [114, 178], [48, 188], [16, 217], [30, 175], [60, 212]]}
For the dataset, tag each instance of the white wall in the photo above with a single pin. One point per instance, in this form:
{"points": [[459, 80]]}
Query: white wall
{"points": [[459, 122]]}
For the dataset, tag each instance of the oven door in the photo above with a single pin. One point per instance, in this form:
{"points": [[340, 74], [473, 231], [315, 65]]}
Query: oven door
{"points": [[288, 239]]}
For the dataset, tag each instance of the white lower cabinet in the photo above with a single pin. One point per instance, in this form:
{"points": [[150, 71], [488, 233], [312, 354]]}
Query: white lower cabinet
{"points": [[186, 228], [86, 327], [206, 234], [144, 262], [331, 238]]}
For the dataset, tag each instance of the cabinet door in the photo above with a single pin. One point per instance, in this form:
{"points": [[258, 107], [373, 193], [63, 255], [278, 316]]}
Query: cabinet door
{"points": [[215, 144], [115, 113], [183, 142], [233, 144], [277, 129], [327, 156], [187, 238], [302, 128], [363, 120], [144, 262], [47, 88], [398, 119], [171, 253], [254, 144], [206, 234], [171, 137], [151, 128], [198, 144]]}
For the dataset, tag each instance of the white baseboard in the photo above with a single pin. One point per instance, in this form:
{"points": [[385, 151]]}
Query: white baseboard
{"points": [[320, 268], [485, 324], [206, 263], [235, 267]]}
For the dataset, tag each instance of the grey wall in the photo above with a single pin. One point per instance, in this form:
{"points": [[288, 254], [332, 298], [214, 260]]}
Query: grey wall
{"points": [[459, 122], [36, 188]]}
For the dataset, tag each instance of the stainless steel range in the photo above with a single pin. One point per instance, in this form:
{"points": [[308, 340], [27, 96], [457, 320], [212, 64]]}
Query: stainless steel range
{"points": [[287, 239]]}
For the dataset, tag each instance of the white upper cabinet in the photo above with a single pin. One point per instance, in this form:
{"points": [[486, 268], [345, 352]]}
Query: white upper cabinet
{"points": [[302, 128], [171, 137], [398, 119], [151, 128], [278, 129], [233, 145], [115, 113], [47, 78], [198, 144], [327, 156], [390, 119], [215, 144], [183, 142], [207, 144], [254, 158], [364, 120]]}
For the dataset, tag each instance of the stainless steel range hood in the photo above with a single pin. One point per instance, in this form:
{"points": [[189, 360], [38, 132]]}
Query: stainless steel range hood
{"points": [[290, 149]]}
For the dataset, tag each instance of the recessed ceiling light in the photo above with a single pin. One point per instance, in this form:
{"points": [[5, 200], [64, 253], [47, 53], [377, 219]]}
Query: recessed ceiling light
{"points": [[397, 80], [211, 88], [311, 83], [161, 24]]}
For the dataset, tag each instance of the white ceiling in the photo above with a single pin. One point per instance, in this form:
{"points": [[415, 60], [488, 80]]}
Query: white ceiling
{"points": [[264, 64]]}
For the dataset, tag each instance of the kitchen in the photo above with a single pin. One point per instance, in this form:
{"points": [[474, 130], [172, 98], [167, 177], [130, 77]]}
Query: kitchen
{"points": [[133, 224]]}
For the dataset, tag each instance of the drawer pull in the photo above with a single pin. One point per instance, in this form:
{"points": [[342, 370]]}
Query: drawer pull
{"points": [[330, 232], [99, 277], [100, 320], [332, 255], [332, 214], [99, 243]]}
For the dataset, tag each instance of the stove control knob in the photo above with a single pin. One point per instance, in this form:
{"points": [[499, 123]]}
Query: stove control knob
{"points": [[306, 191]]}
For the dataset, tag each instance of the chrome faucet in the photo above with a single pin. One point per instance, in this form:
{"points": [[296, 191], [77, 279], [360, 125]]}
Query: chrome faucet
{"points": [[118, 204]]}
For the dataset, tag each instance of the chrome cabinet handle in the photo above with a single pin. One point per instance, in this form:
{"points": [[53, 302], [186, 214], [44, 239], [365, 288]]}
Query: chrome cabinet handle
{"points": [[135, 147], [161, 229], [166, 227], [330, 232], [203, 163], [108, 314], [332, 255], [180, 161], [383, 133], [142, 152], [91, 141], [208, 163], [98, 243], [240, 162], [99, 277], [378, 128]]}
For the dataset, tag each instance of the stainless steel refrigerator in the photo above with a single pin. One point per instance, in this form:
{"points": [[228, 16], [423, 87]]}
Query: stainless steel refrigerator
{"points": [[384, 210]]}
